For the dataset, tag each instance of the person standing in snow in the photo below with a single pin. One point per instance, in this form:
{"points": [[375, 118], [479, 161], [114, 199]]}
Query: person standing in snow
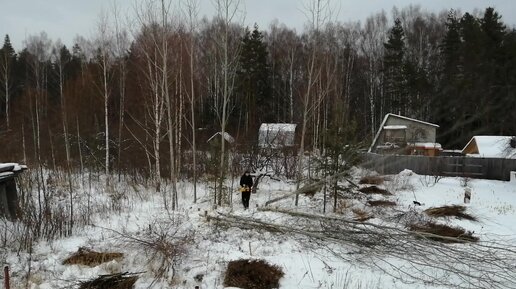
{"points": [[246, 183]]}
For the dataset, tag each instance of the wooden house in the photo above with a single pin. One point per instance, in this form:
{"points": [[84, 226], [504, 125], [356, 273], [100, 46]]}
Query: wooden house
{"points": [[405, 136]]}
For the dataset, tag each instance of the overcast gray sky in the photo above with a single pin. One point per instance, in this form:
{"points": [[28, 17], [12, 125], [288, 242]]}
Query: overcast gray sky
{"points": [[65, 19]]}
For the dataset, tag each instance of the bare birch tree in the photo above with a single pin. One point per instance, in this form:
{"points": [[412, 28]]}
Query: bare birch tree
{"points": [[153, 45], [318, 14], [39, 47], [61, 59], [6, 69], [121, 45], [191, 11], [371, 46], [104, 49], [227, 11]]}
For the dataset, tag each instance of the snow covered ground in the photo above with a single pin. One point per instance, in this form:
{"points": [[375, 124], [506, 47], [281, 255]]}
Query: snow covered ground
{"points": [[305, 262]]}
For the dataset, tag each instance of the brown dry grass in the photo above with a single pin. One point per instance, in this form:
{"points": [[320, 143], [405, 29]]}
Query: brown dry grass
{"points": [[372, 180], [361, 215], [88, 257], [252, 274], [450, 234], [450, 211], [115, 281], [381, 203], [374, 190]]}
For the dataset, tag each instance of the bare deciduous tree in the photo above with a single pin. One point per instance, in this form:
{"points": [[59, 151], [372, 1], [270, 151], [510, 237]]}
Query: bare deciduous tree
{"points": [[104, 51], [227, 11], [191, 12]]}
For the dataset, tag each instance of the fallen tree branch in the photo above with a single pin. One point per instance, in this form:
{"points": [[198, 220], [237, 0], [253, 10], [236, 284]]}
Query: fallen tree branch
{"points": [[314, 187], [357, 224]]}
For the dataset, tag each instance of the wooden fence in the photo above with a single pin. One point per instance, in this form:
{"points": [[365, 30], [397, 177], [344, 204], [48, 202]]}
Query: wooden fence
{"points": [[457, 166]]}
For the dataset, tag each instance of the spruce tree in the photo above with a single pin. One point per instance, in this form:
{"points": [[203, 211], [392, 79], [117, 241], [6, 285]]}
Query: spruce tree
{"points": [[394, 76], [492, 70], [446, 111], [254, 80]]}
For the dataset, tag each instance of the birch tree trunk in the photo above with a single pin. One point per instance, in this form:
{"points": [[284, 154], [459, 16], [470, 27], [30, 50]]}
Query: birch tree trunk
{"points": [[121, 47], [192, 11], [226, 11], [5, 69], [318, 12], [104, 47]]}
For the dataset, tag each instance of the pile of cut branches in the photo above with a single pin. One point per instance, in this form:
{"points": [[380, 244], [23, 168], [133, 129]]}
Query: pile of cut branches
{"points": [[374, 190], [252, 274], [88, 257], [113, 281], [381, 203], [444, 233], [450, 211], [479, 264]]}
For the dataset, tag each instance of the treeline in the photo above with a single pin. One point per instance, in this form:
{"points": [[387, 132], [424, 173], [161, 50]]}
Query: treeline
{"points": [[141, 97]]}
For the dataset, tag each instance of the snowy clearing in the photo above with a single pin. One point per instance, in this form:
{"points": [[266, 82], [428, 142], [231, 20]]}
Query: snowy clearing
{"points": [[205, 247]]}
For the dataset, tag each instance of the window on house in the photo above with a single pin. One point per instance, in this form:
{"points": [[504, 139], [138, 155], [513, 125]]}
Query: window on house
{"points": [[395, 135]]}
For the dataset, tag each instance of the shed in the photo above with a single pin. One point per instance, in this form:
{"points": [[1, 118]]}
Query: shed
{"points": [[276, 135], [216, 138], [491, 146], [403, 135], [8, 191]]}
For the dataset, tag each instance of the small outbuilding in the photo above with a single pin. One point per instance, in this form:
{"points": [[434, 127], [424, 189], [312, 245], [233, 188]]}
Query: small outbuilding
{"points": [[277, 135], [215, 139], [406, 136], [8, 191], [491, 146]]}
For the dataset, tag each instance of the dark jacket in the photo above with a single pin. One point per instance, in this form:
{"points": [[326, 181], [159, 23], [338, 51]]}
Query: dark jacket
{"points": [[246, 181]]}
